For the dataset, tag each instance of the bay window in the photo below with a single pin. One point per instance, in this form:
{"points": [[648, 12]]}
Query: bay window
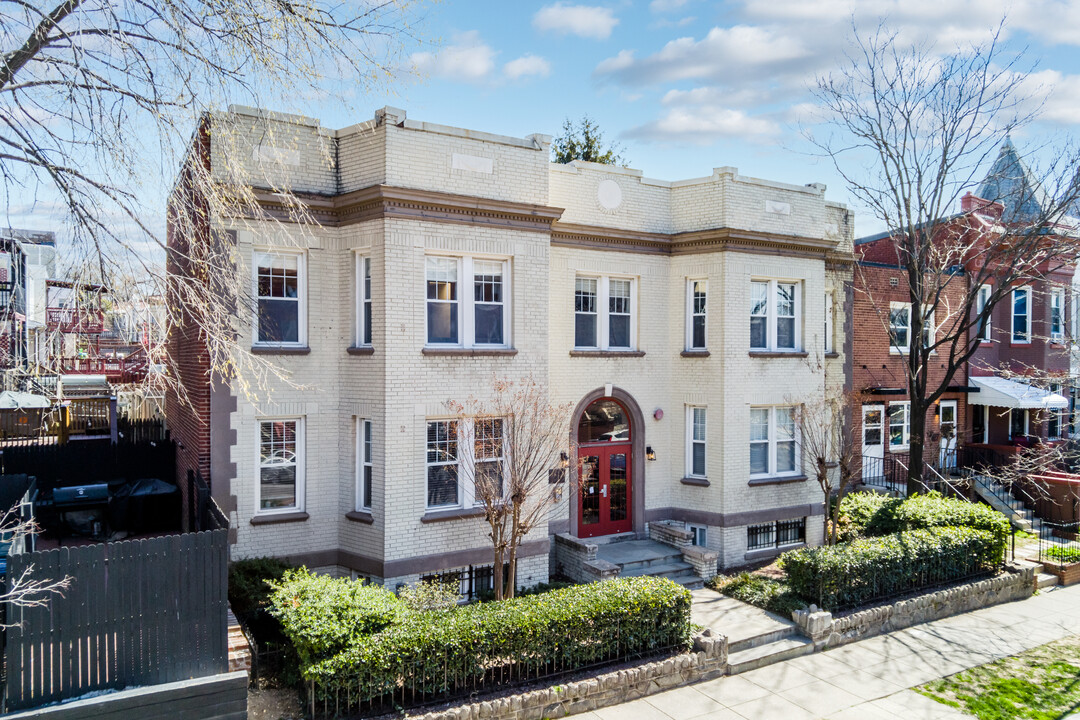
{"points": [[460, 450], [774, 316], [773, 446], [1021, 315], [280, 290], [364, 464], [604, 309], [696, 297], [1057, 315], [695, 442], [281, 465], [981, 301], [477, 315]]}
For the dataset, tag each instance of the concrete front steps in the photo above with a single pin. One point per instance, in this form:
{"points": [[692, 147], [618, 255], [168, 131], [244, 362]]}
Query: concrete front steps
{"points": [[999, 498], [646, 557], [767, 648]]}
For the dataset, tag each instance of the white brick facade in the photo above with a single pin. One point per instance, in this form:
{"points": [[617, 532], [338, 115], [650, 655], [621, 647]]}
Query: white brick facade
{"points": [[485, 194]]}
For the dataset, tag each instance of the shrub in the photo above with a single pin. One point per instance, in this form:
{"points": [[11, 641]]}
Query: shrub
{"points": [[1063, 554], [857, 572], [857, 508], [323, 615], [427, 653], [765, 593], [249, 593], [430, 595], [933, 510]]}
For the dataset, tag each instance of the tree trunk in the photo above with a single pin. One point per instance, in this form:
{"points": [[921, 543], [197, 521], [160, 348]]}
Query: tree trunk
{"points": [[917, 446]]}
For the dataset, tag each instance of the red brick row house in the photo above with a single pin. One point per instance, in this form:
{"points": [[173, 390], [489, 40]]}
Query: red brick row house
{"points": [[1012, 391]]}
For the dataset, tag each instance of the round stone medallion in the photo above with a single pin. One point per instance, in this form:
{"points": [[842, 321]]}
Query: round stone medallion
{"points": [[608, 195]]}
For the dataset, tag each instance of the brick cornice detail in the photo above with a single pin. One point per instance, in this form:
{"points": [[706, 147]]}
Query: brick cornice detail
{"points": [[385, 201]]}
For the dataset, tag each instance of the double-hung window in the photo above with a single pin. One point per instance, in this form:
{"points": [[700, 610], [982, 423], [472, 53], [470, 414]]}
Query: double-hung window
{"points": [[1057, 315], [604, 310], [900, 327], [280, 289], [981, 301], [696, 297], [899, 425], [281, 465], [458, 450], [476, 315], [774, 316], [695, 442], [363, 301], [1055, 418], [1021, 315], [773, 446], [364, 464]]}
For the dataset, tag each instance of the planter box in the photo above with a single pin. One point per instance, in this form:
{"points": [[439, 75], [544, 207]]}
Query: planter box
{"points": [[1067, 574]]}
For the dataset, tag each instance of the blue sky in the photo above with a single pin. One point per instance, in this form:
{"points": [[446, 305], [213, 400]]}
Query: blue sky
{"points": [[687, 85], [682, 85]]}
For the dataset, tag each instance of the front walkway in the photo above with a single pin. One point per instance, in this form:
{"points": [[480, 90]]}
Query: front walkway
{"points": [[868, 680]]}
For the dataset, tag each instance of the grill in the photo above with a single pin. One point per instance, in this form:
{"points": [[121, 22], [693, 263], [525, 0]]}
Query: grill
{"points": [[79, 496], [83, 509]]}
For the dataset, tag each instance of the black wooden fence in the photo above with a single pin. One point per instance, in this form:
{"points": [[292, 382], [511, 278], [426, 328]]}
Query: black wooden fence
{"points": [[88, 462], [140, 612]]}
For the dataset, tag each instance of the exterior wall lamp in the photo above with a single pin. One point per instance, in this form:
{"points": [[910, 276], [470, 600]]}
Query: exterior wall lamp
{"points": [[650, 454]]}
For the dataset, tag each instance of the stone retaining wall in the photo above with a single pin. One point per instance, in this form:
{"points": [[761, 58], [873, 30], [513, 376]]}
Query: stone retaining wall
{"points": [[709, 660], [576, 559], [1017, 583]]}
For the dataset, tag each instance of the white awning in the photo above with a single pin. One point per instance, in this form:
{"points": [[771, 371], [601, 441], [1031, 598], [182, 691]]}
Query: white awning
{"points": [[999, 392]]}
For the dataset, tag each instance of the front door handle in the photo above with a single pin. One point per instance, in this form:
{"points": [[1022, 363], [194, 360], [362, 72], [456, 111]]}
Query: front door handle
{"points": [[603, 490]]}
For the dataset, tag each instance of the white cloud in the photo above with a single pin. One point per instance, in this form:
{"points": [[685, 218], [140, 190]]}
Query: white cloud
{"points": [[741, 52], [704, 124], [582, 20], [1058, 93], [527, 65], [468, 59]]}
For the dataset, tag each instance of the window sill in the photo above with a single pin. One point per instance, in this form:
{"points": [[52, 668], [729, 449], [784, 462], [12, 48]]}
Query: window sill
{"points": [[469, 352], [362, 350], [607, 353], [279, 518], [776, 480], [695, 353], [697, 481], [900, 449], [360, 516], [280, 350], [779, 354], [433, 516], [832, 355]]}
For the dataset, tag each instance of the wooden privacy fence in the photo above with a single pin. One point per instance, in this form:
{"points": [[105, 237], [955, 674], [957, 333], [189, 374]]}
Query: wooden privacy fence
{"points": [[91, 461], [140, 612]]}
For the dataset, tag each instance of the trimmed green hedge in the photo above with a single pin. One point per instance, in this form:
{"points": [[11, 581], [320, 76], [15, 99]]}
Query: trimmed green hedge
{"points": [[323, 615], [430, 653], [763, 592], [868, 569], [933, 510], [859, 507]]}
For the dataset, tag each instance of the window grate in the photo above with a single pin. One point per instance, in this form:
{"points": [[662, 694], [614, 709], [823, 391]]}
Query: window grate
{"points": [[776, 534]]}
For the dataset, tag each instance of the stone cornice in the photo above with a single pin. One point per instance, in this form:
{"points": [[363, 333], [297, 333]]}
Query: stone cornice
{"points": [[699, 241], [384, 201]]}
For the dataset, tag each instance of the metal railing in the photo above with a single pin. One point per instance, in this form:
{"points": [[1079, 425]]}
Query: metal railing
{"points": [[1059, 544]]}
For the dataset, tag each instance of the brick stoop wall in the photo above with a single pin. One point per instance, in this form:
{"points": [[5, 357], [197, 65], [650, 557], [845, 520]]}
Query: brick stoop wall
{"points": [[1066, 574], [828, 632], [709, 660], [239, 648], [674, 533]]}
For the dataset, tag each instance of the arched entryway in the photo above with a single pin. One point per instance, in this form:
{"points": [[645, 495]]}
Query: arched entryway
{"points": [[609, 434]]}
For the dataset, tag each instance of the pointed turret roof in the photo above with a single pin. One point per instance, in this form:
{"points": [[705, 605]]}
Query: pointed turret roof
{"points": [[1010, 182]]}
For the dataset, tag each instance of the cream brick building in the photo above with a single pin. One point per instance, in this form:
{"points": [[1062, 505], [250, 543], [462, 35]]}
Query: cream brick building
{"points": [[445, 255]]}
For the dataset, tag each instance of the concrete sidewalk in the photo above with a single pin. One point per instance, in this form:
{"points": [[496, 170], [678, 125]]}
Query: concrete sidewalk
{"points": [[868, 680]]}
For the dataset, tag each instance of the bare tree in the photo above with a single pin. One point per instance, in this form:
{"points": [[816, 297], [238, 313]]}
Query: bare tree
{"points": [[511, 443], [910, 132], [26, 589], [830, 452], [99, 99]]}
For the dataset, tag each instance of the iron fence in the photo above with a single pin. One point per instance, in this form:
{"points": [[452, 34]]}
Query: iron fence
{"points": [[1059, 544], [458, 673]]}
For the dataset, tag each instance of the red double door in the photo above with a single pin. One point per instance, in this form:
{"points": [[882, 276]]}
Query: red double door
{"points": [[604, 490]]}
